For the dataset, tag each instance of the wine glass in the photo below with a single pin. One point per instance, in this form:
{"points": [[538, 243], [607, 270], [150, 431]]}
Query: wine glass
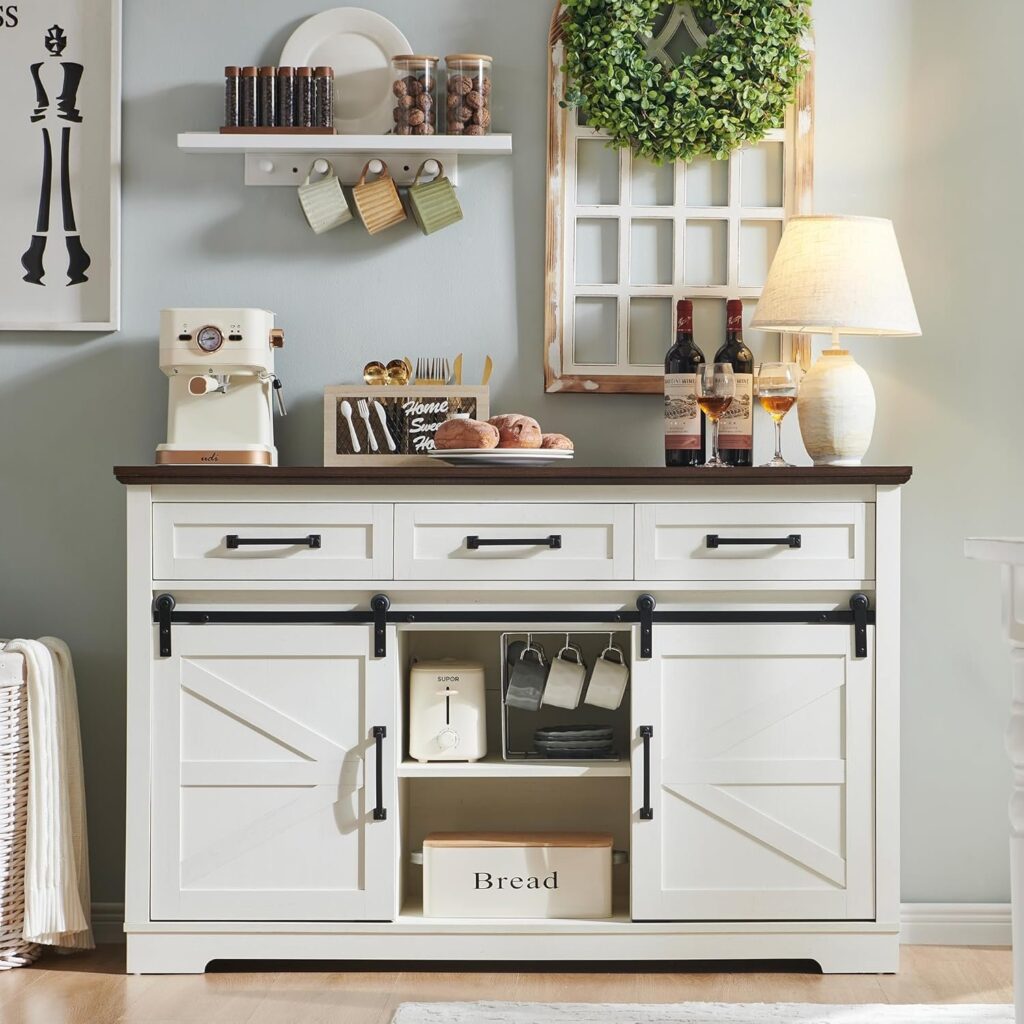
{"points": [[715, 390], [777, 385]]}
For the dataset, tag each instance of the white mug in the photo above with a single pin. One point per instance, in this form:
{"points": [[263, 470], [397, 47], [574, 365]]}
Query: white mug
{"points": [[565, 679], [608, 680], [323, 201]]}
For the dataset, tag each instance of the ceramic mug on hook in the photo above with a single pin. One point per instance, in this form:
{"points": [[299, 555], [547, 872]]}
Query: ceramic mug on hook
{"points": [[434, 203], [323, 201], [609, 678], [527, 678], [565, 678], [378, 201]]}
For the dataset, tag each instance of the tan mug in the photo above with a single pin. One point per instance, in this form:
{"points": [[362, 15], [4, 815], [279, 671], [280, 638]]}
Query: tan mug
{"points": [[323, 201], [378, 201]]}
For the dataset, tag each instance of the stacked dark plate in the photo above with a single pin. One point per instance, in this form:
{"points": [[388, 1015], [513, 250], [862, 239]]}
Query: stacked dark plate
{"points": [[575, 742]]}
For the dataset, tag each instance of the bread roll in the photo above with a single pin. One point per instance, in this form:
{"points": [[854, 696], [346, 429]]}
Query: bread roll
{"points": [[517, 431], [559, 441], [465, 433]]}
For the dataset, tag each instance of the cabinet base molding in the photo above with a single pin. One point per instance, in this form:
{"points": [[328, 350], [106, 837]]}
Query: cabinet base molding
{"points": [[836, 952]]}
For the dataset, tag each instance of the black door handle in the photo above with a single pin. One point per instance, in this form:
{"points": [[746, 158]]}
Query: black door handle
{"points": [[554, 541], [859, 605], [647, 811], [380, 812], [234, 542], [794, 540]]}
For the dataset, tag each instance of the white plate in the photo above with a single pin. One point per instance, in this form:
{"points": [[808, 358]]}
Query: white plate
{"points": [[359, 45], [501, 456]]}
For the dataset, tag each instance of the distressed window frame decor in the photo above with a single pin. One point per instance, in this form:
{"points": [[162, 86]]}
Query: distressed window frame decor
{"points": [[562, 374]]}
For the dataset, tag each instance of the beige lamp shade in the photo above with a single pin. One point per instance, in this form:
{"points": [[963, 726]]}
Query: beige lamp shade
{"points": [[838, 275]]}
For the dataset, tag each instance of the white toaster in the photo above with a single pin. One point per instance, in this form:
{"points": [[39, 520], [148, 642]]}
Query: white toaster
{"points": [[447, 714]]}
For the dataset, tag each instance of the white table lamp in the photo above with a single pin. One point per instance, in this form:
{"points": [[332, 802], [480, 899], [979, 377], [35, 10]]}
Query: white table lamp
{"points": [[837, 275]]}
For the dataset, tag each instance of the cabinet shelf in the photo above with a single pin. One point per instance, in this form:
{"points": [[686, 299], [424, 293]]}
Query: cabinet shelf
{"points": [[495, 768], [411, 917], [286, 159]]}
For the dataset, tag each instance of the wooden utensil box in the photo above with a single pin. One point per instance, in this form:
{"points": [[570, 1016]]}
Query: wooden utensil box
{"points": [[413, 413]]}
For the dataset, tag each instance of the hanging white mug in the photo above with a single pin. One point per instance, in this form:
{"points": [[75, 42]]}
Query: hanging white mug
{"points": [[565, 679], [608, 680], [323, 201]]}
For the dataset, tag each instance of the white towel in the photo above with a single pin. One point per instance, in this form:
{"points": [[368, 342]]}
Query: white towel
{"points": [[57, 896]]}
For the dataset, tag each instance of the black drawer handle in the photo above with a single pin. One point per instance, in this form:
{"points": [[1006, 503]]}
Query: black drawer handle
{"points": [[794, 540], [234, 542], [647, 811], [554, 541]]}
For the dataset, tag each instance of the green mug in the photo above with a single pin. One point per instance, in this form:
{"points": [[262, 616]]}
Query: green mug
{"points": [[434, 203]]}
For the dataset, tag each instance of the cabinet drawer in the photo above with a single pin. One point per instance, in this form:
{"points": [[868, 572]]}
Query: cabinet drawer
{"points": [[778, 541], [286, 541], [517, 542]]}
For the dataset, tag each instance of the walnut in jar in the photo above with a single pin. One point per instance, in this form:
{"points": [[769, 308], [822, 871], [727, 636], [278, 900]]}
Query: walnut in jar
{"points": [[469, 94]]}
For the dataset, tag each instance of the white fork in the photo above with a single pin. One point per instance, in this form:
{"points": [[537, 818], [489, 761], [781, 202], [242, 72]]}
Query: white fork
{"points": [[364, 411]]}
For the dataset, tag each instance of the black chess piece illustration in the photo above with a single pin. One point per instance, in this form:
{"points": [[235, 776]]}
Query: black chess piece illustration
{"points": [[66, 114]]}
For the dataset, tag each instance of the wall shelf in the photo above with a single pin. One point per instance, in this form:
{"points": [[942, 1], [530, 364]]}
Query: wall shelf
{"points": [[495, 768], [286, 159]]}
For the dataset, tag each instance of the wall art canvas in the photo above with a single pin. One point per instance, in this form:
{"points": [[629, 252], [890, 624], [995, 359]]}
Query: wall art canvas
{"points": [[60, 121]]}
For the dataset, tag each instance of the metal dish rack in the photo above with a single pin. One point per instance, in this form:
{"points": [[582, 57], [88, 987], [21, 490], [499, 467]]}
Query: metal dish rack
{"points": [[517, 725]]}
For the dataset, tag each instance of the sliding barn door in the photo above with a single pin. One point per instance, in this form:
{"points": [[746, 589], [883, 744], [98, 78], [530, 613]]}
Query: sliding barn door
{"points": [[265, 776], [761, 802]]}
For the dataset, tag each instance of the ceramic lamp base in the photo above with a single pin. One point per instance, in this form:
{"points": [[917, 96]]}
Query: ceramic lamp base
{"points": [[836, 410]]}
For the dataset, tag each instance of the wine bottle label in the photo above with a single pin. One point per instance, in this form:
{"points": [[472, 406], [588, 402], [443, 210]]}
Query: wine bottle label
{"points": [[736, 431], [682, 416]]}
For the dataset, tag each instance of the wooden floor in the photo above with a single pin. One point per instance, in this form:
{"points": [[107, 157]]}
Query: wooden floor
{"points": [[93, 989]]}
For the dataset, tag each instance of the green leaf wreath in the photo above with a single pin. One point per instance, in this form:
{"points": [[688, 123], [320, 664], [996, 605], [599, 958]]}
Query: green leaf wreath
{"points": [[726, 95]]}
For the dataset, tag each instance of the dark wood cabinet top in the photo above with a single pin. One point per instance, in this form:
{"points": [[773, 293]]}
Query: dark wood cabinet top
{"points": [[553, 476]]}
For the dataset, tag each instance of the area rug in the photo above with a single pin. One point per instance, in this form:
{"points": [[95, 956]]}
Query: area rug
{"points": [[695, 1013]]}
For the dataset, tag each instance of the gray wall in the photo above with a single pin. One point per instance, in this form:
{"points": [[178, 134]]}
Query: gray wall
{"points": [[918, 120]]}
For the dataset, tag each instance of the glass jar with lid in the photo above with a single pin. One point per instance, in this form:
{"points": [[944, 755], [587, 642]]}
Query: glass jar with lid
{"points": [[468, 94], [414, 87]]}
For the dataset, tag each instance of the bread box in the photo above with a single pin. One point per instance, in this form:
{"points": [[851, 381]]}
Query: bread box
{"points": [[517, 875]]}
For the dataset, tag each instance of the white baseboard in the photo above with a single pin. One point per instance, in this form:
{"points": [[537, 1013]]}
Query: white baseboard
{"points": [[955, 924], [921, 924]]}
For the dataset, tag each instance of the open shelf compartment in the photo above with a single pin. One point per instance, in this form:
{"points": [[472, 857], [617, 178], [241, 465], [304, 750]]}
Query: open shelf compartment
{"points": [[547, 795]]}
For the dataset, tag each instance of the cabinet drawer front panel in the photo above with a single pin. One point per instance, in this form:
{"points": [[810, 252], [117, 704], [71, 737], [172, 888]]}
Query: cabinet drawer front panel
{"points": [[832, 541], [761, 776], [264, 776], [520, 542], [191, 541]]}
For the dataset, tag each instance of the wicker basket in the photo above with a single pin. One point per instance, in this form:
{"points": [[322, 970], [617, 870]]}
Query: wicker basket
{"points": [[14, 950]]}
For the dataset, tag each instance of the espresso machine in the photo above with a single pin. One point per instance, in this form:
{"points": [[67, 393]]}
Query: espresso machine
{"points": [[220, 408]]}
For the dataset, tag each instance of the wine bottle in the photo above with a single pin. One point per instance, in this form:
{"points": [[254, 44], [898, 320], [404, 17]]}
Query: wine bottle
{"points": [[685, 424], [736, 432]]}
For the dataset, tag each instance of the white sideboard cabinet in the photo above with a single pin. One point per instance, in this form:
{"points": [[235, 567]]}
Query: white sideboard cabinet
{"points": [[273, 615]]}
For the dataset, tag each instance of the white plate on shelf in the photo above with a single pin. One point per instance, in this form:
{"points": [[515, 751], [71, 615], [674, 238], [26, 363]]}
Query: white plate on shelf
{"points": [[359, 45], [501, 456]]}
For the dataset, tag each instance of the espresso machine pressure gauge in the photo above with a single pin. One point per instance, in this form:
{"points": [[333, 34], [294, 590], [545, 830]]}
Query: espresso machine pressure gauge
{"points": [[210, 339]]}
